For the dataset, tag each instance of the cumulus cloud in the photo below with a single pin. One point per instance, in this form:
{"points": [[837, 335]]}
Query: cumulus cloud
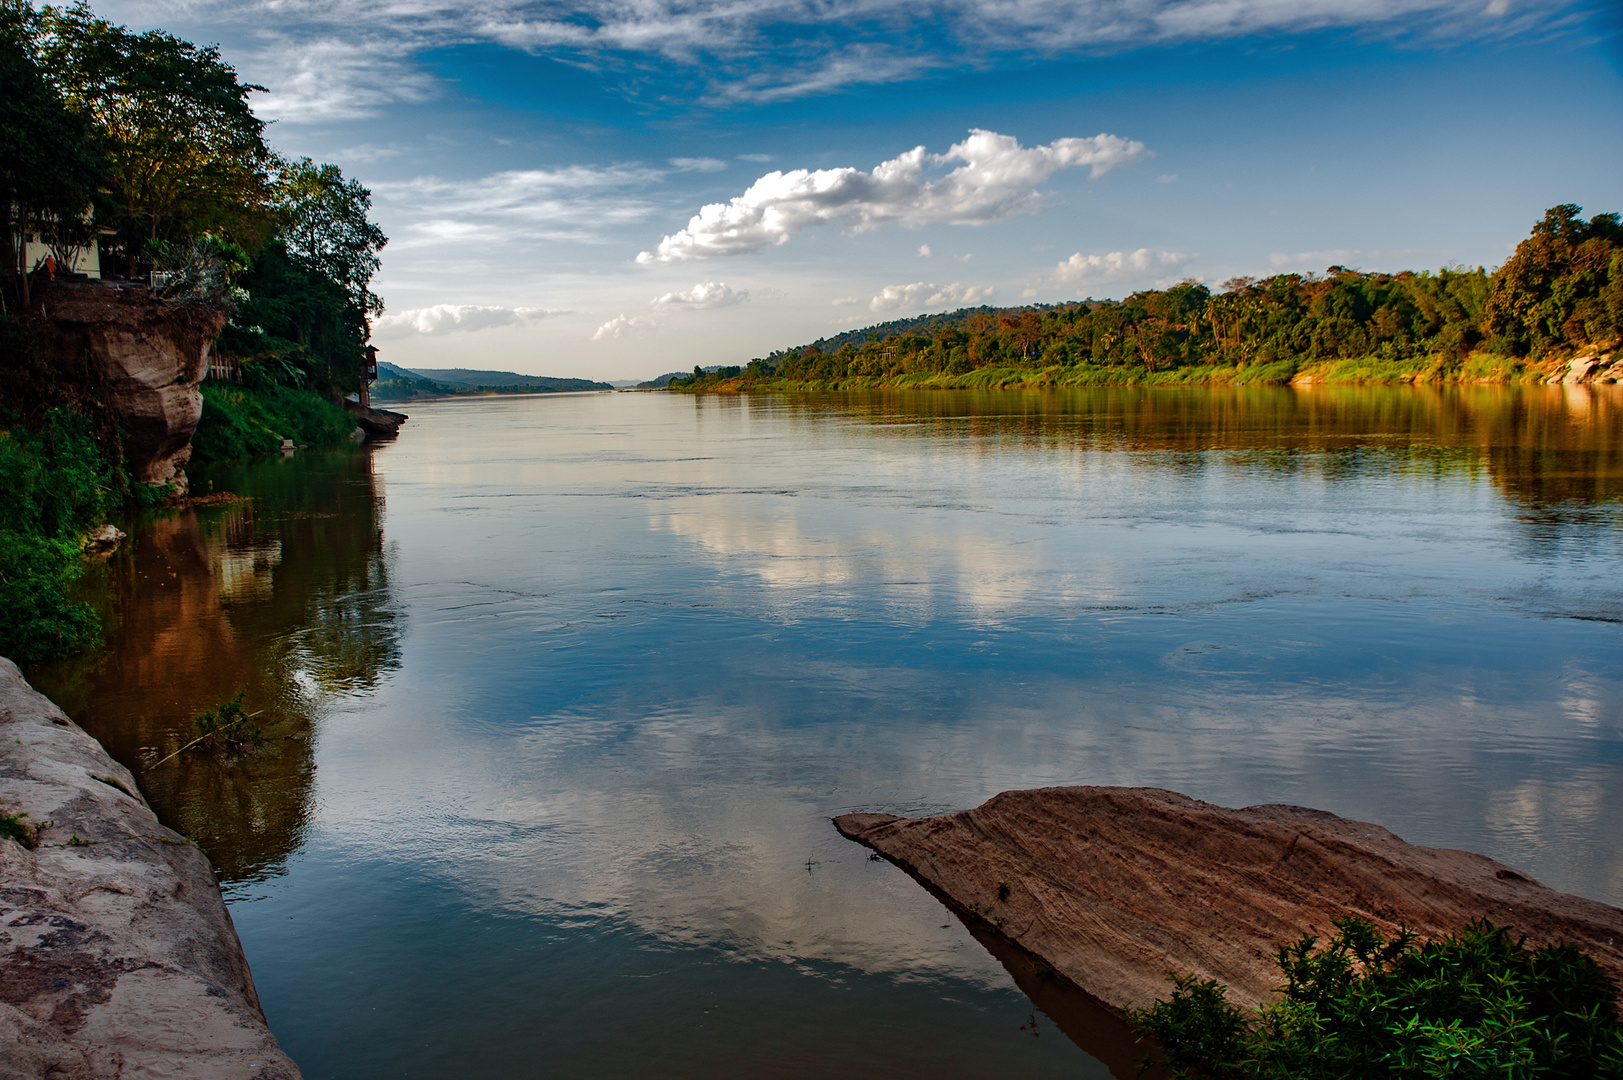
{"points": [[926, 295], [453, 318], [706, 294], [1082, 269], [995, 177], [924, 251], [618, 327]]}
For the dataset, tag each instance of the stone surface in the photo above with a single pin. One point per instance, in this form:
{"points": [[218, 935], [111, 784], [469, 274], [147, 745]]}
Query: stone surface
{"points": [[145, 358], [1114, 888], [117, 956]]}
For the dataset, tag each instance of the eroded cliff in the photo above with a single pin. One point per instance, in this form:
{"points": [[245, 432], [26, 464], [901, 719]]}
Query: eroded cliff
{"points": [[143, 357]]}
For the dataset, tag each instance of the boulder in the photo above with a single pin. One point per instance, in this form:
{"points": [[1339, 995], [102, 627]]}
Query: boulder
{"points": [[117, 955], [145, 358], [1115, 888]]}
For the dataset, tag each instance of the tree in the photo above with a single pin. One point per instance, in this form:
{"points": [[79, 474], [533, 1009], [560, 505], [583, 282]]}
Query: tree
{"points": [[48, 168], [186, 154], [325, 227]]}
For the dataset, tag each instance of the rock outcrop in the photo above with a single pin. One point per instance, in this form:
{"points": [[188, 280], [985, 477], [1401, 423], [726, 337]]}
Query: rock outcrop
{"points": [[144, 357], [117, 955], [1114, 888]]}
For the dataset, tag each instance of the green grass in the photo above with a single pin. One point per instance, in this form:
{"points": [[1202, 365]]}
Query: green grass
{"points": [[1476, 1004], [241, 421]]}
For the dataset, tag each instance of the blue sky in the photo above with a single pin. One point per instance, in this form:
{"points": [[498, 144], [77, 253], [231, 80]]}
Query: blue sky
{"points": [[615, 189]]}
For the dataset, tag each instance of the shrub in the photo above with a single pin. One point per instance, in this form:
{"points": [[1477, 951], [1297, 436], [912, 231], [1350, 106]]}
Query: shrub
{"points": [[1474, 1004]]}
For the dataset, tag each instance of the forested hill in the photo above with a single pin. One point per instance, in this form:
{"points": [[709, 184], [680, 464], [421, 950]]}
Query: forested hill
{"points": [[398, 384], [1559, 295]]}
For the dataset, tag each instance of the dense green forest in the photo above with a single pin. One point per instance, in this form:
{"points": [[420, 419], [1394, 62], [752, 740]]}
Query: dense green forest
{"points": [[145, 146], [1561, 293]]}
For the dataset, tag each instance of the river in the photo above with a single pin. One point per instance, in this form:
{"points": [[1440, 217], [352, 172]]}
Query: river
{"points": [[563, 690]]}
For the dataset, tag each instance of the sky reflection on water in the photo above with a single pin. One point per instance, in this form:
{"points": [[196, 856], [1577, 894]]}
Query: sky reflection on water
{"points": [[636, 650]]}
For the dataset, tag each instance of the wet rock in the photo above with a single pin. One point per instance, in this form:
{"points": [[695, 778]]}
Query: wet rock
{"points": [[104, 541], [145, 358], [1114, 888], [117, 955]]}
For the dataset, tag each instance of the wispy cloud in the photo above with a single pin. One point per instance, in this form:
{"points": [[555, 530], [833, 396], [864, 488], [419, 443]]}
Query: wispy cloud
{"points": [[926, 295], [327, 60], [1082, 269], [452, 318], [707, 294], [997, 177], [1320, 260], [698, 164], [574, 203]]}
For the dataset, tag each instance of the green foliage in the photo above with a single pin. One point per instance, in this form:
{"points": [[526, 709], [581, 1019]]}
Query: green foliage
{"points": [[48, 165], [254, 418], [227, 725], [1474, 1004], [12, 827], [325, 229], [54, 490], [186, 154], [1562, 291]]}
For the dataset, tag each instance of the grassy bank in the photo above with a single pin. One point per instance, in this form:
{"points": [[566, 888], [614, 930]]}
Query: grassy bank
{"points": [[1367, 370], [244, 420]]}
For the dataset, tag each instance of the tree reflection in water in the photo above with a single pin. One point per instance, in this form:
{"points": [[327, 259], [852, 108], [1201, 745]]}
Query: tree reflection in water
{"points": [[284, 595]]}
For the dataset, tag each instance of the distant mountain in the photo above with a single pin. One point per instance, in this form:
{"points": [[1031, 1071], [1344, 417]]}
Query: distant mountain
{"points": [[396, 383], [665, 380]]}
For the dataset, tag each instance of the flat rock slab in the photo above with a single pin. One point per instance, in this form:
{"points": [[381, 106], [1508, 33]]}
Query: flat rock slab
{"points": [[117, 955], [1114, 888]]}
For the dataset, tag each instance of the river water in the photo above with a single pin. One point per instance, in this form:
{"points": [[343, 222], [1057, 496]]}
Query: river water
{"points": [[563, 691]]}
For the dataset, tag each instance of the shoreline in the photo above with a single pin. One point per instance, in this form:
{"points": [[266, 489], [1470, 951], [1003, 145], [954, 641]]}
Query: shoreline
{"points": [[121, 958], [1588, 370]]}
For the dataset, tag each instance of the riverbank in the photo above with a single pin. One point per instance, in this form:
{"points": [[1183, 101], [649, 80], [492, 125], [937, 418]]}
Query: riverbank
{"points": [[1114, 889], [120, 958], [1366, 371]]}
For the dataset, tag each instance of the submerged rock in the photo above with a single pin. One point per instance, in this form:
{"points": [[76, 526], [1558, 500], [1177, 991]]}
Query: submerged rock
{"points": [[1115, 888], [117, 955]]}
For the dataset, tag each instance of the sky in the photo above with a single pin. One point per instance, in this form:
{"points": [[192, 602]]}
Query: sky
{"points": [[613, 189]]}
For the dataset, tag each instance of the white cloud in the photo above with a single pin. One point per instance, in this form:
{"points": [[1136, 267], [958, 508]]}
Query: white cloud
{"points": [[759, 159], [1319, 260], [926, 295], [846, 301], [576, 203], [997, 177], [1166, 178], [330, 61], [698, 164], [707, 294], [452, 318], [618, 327], [924, 251], [1082, 269]]}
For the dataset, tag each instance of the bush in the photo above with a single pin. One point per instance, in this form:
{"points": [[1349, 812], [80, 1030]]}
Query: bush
{"points": [[55, 490], [1475, 1004]]}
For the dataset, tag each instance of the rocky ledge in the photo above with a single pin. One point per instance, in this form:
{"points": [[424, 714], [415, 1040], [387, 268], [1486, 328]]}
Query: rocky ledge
{"points": [[117, 955], [144, 357], [1114, 888]]}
